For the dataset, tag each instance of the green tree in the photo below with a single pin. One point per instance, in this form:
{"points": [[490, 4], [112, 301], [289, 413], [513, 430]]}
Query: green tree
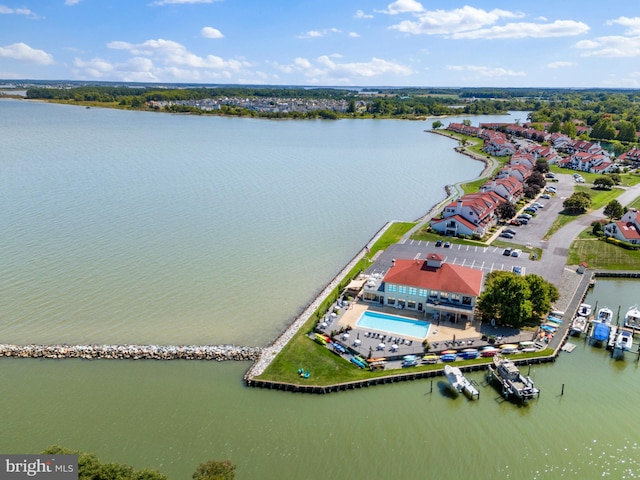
{"points": [[613, 210], [617, 179], [543, 294], [437, 124], [506, 298], [466, 122], [597, 228], [569, 129], [626, 131], [604, 129], [606, 183], [555, 126], [505, 210], [577, 203], [215, 470]]}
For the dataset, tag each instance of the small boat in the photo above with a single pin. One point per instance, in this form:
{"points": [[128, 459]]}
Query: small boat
{"points": [[508, 348], [584, 310], [548, 328], [469, 353], [320, 339], [600, 333], [624, 341], [513, 383], [449, 357], [578, 326], [409, 361], [528, 346], [359, 362], [430, 359], [372, 360], [489, 351], [632, 318], [555, 320], [604, 315], [459, 382], [447, 352]]}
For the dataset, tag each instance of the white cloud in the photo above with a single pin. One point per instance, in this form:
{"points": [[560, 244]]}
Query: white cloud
{"points": [[4, 10], [361, 14], [613, 46], [449, 22], [561, 64], [632, 24], [354, 35], [176, 55], [134, 70], [559, 28], [319, 33], [403, 6], [71, 3], [210, 32], [327, 69], [24, 53], [487, 72]]}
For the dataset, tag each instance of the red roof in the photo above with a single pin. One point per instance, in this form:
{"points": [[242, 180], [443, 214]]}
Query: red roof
{"points": [[628, 230], [447, 278]]}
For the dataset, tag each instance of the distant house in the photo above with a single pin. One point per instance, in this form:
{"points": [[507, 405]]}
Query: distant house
{"points": [[431, 286], [523, 158], [559, 141], [519, 171], [471, 213], [587, 162], [632, 157], [499, 146], [464, 129], [625, 230], [509, 187]]}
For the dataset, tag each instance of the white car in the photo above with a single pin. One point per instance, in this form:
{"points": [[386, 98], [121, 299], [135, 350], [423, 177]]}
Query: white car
{"points": [[516, 252]]}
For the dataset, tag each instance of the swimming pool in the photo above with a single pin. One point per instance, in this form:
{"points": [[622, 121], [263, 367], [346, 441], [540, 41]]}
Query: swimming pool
{"points": [[402, 326]]}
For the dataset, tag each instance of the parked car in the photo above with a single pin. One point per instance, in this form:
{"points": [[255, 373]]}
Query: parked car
{"points": [[551, 189], [550, 175], [530, 210], [580, 180], [447, 244], [510, 230], [537, 205], [515, 222], [524, 221], [438, 243], [506, 235], [517, 270], [516, 252], [507, 252], [546, 196], [526, 216]]}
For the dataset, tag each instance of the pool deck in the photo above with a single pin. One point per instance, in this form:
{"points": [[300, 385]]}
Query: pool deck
{"points": [[440, 337]]}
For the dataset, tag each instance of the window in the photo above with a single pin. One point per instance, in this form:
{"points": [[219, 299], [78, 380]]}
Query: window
{"points": [[455, 298], [433, 294], [444, 296], [413, 291], [411, 304], [402, 289], [466, 300], [391, 301], [391, 287], [422, 292]]}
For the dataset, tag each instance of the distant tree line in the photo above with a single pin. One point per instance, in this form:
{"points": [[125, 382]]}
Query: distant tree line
{"points": [[90, 467]]}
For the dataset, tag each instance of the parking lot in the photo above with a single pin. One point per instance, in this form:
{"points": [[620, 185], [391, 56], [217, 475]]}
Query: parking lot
{"points": [[490, 258]]}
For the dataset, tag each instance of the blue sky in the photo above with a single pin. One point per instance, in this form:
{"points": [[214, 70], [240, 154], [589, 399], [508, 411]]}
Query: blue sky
{"points": [[560, 43]]}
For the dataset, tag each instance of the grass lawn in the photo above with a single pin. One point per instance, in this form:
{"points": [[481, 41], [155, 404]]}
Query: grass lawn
{"points": [[600, 254], [599, 199]]}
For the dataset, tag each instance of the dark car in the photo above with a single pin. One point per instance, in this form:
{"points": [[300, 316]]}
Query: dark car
{"points": [[438, 243], [506, 235], [510, 230], [447, 244], [531, 209], [507, 252]]}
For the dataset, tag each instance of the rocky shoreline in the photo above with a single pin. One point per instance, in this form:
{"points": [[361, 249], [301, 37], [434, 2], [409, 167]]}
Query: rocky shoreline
{"points": [[133, 352]]}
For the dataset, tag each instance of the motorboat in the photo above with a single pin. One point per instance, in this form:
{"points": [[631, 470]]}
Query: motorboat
{"points": [[600, 333], [624, 341], [584, 310], [604, 315], [509, 348], [632, 318], [430, 359], [459, 382], [449, 357], [579, 326], [513, 383]]}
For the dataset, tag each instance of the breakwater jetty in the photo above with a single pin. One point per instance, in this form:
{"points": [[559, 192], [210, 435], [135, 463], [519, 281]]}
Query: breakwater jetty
{"points": [[133, 352]]}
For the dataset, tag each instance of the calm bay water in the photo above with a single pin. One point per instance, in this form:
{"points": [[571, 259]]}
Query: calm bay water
{"points": [[132, 227]]}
